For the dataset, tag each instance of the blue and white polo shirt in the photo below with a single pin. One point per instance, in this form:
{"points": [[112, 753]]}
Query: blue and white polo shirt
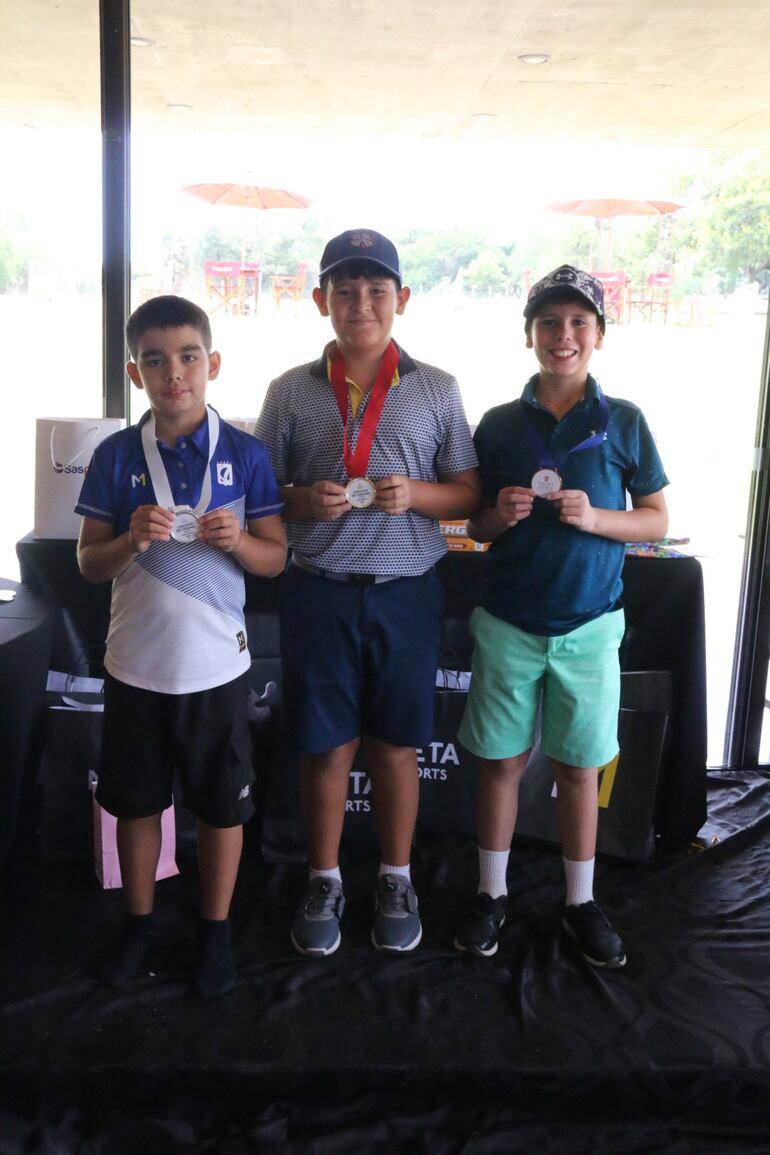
{"points": [[177, 623]]}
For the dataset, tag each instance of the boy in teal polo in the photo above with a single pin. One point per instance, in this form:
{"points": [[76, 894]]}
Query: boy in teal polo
{"points": [[556, 468]]}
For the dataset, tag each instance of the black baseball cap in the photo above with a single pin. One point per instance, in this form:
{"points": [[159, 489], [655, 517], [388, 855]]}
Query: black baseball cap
{"points": [[361, 245], [565, 277]]}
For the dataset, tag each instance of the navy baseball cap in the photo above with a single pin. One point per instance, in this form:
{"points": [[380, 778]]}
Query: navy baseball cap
{"points": [[361, 245], [565, 277]]}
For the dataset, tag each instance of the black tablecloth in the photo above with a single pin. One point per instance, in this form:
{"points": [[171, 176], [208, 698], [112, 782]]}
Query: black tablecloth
{"points": [[665, 630], [25, 645]]}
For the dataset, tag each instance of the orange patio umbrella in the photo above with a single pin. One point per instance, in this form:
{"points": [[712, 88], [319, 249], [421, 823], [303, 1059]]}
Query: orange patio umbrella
{"points": [[608, 207], [247, 196]]}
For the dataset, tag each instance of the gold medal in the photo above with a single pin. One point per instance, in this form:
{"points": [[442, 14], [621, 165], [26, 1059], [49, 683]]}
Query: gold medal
{"points": [[360, 492]]}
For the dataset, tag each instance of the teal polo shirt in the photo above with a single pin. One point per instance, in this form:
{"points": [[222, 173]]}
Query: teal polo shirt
{"points": [[540, 575]]}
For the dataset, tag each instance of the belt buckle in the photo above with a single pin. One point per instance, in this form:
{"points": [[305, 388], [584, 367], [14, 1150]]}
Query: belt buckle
{"points": [[361, 579]]}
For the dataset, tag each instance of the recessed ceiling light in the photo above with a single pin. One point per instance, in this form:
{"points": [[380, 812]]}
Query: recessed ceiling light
{"points": [[141, 42], [534, 58], [485, 116], [180, 107]]}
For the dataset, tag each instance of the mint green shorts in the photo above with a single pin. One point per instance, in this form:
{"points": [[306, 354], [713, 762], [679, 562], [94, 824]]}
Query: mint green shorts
{"points": [[572, 681]]}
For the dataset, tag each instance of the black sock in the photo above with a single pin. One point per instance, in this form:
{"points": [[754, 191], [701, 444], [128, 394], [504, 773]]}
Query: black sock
{"points": [[216, 968], [132, 950]]}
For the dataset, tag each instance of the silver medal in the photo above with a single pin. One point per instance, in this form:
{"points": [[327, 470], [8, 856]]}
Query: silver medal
{"points": [[545, 481], [185, 527]]}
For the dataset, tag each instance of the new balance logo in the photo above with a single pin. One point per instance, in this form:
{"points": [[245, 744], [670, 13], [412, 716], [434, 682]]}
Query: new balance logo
{"points": [[224, 473], [244, 793]]}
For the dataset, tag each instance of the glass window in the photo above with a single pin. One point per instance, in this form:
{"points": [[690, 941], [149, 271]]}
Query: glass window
{"points": [[686, 320], [50, 240], [476, 220]]}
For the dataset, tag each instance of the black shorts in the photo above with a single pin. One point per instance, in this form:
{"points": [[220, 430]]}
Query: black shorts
{"points": [[203, 738]]}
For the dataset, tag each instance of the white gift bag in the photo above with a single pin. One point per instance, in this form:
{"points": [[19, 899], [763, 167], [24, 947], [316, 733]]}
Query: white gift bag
{"points": [[63, 449]]}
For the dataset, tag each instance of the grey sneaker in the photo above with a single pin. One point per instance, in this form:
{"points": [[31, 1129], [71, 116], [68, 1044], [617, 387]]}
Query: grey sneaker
{"points": [[316, 927], [479, 931], [396, 921], [591, 930]]}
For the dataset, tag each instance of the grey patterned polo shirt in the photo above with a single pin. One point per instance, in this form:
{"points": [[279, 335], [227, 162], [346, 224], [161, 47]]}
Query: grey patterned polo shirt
{"points": [[422, 433]]}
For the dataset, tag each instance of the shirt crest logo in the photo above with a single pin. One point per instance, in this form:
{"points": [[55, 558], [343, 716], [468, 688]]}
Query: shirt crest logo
{"points": [[138, 479], [224, 473]]}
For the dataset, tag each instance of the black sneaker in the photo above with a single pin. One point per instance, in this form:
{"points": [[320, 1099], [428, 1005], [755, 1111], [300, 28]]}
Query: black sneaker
{"points": [[131, 952], [591, 930], [479, 931]]}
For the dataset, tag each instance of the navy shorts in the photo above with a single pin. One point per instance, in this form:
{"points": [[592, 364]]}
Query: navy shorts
{"points": [[359, 659], [203, 738]]}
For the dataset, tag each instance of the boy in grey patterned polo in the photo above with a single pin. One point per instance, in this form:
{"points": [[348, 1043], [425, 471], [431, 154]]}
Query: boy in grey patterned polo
{"points": [[370, 449]]}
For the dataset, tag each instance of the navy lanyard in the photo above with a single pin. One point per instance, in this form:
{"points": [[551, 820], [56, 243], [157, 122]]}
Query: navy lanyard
{"points": [[545, 458]]}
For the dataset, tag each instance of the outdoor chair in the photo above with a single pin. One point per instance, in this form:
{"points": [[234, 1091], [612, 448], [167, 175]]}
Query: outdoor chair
{"points": [[292, 287], [652, 300], [614, 285], [231, 285]]}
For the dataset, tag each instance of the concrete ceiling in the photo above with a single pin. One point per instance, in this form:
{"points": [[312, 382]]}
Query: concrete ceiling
{"points": [[665, 72]]}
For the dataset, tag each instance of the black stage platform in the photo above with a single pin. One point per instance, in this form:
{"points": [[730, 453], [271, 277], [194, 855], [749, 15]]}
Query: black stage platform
{"points": [[527, 1052]]}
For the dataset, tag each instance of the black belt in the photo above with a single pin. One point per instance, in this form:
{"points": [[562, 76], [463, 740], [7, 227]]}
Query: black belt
{"points": [[353, 579]]}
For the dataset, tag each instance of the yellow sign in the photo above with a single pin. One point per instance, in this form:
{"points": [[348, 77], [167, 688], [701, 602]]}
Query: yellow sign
{"points": [[607, 781]]}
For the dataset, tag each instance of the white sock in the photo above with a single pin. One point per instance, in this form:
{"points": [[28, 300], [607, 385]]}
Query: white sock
{"points": [[579, 877], [404, 871], [493, 865], [333, 873]]}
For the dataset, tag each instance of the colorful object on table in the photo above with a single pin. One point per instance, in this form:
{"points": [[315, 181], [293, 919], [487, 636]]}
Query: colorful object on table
{"points": [[662, 548]]}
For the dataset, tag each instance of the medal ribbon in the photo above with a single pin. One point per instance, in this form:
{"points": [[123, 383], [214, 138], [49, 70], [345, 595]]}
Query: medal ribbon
{"points": [[157, 469], [357, 461], [545, 457]]}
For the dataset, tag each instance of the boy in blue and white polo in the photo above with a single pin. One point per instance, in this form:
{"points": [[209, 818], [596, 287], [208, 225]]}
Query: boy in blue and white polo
{"points": [[174, 509]]}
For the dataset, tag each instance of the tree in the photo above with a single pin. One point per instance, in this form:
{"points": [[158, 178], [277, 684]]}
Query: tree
{"points": [[428, 258], [729, 236], [14, 264], [487, 272]]}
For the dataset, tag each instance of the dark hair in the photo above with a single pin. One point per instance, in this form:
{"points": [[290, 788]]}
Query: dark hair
{"points": [[167, 312], [370, 270], [559, 297]]}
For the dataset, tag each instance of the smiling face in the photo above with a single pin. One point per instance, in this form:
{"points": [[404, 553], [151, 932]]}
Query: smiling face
{"points": [[362, 311], [563, 337], [174, 369]]}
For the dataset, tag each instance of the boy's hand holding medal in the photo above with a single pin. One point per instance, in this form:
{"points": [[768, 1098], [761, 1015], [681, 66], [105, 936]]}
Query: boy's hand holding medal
{"points": [[393, 494], [328, 500], [514, 503], [149, 523]]}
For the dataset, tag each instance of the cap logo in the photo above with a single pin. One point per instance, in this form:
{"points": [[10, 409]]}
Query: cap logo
{"points": [[567, 276], [360, 245]]}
